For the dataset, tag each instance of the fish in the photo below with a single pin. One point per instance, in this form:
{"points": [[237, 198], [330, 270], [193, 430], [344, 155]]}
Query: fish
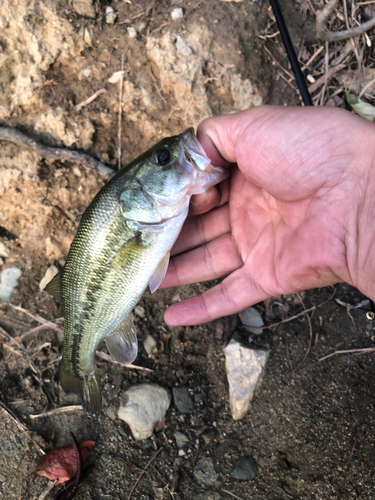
{"points": [[122, 246]]}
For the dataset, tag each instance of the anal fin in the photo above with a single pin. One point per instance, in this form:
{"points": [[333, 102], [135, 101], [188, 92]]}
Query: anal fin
{"points": [[122, 343], [159, 273]]}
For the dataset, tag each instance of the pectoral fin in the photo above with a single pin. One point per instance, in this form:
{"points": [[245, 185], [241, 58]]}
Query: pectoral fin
{"points": [[122, 343], [53, 287], [159, 273]]}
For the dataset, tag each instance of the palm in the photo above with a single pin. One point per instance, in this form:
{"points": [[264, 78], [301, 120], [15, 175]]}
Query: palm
{"points": [[279, 229]]}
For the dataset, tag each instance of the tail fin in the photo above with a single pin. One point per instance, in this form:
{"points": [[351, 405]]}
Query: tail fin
{"points": [[87, 387]]}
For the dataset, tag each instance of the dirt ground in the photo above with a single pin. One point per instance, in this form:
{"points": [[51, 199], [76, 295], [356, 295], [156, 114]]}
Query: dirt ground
{"points": [[311, 426]]}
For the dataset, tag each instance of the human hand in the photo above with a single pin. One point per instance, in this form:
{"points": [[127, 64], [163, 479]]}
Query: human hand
{"points": [[297, 211]]}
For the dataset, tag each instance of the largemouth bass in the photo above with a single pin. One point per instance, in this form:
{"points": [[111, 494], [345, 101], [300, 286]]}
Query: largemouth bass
{"points": [[122, 245]]}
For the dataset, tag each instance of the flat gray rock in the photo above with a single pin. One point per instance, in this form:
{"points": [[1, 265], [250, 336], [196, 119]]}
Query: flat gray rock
{"points": [[252, 319], [205, 473], [245, 369], [245, 469], [181, 439], [182, 400], [142, 406]]}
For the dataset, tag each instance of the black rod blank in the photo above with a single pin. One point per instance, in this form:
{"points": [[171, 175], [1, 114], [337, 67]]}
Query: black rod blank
{"points": [[291, 53]]}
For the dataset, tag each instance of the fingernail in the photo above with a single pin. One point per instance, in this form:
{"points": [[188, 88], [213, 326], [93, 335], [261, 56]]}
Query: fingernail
{"points": [[199, 199]]}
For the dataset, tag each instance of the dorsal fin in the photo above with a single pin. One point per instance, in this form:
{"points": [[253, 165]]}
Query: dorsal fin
{"points": [[53, 287]]}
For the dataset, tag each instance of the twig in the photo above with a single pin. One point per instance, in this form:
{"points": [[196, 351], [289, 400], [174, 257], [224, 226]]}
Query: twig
{"points": [[310, 332], [305, 66], [107, 357], [352, 452], [144, 470], [39, 348], [276, 62], [231, 494], [20, 426], [157, 88], [366, 86], [326, 60], [350, 306], [63, 409], [13, 135], [121, 84], [90, 99], [299, 314], [48, 490], [348, 351], [36, 317], [18, 340], [330, 36], [326, 77], [265, 37]]}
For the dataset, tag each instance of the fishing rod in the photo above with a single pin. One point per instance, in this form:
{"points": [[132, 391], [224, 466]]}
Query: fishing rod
{"points": [[304, 91]]}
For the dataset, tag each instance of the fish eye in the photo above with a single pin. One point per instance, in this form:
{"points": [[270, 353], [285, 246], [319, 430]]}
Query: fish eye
{"points": [[162, 157]]}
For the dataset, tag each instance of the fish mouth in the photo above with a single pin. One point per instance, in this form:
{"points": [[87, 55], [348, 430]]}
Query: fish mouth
{"points": [[193, 151]]}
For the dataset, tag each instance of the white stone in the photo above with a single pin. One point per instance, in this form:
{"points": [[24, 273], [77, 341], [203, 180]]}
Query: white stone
{"points": [[141, 406], [132, 32], [177, 13], [149, 344], [139, 311], [182, 47], [86, 72], [8, 282], [116, 76], [4, 252], [110, 15], [50, 273], [245, 368]]}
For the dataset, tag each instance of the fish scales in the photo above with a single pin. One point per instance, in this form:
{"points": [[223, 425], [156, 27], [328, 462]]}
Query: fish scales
{"points": [[122, 245]]}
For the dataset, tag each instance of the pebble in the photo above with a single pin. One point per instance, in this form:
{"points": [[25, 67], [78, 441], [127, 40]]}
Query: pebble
{"points": [[8, 282], [182, 400], [141, 406], [252, 319], [84, 8], [181, 439], [4, 252], [111, 412], [110, 15], [209, 435], [116, 76], [177, 13], [205, 473], [132, 32], [49, 274], [245, 469], [85, 72], [149, 344], [139, 311], [3, 22], [245, 368]]}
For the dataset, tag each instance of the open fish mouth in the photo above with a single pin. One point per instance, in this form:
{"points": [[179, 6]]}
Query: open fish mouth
{"points": [[193, 151]]}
